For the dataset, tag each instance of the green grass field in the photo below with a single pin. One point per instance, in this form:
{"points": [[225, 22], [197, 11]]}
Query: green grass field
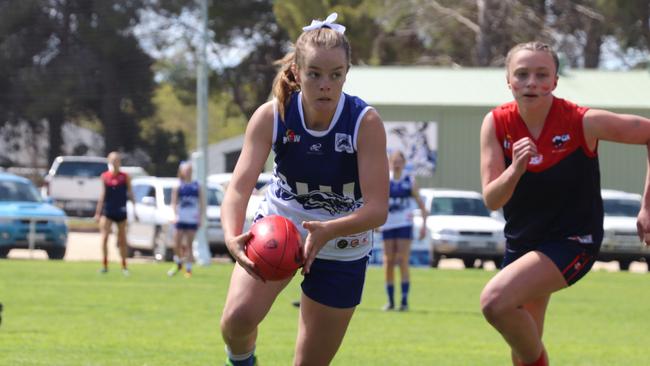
{"points": [[65, 313]]}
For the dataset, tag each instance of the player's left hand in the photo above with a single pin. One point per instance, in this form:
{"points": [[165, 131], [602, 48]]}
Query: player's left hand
{"points": [[317, 237], [643, 226]]}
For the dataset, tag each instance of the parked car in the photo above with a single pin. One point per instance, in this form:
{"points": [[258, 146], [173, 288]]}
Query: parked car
{"points": [[224, 178], [621, 242], [459, 225], [24, 215], [73, 183], [153, 231]]}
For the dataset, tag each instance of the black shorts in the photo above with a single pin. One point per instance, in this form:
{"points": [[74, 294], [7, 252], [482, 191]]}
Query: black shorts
{"points": [[572, 258], [116, 217]]}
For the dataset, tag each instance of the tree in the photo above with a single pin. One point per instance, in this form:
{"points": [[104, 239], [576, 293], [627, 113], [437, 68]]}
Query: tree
{"points": [[81, 61]]}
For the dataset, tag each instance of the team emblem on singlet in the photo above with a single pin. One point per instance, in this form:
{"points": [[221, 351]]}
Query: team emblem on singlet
{"points": [[343, 143], [331, 202]]}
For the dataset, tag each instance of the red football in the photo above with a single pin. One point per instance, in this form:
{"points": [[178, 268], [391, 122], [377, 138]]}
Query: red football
{"points": [[275, 248]]}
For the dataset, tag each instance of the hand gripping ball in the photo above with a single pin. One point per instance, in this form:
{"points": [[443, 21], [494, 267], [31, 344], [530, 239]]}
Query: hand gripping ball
{"points": [[275, 248]]}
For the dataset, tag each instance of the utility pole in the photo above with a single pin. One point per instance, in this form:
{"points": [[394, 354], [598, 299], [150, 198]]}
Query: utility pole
{"points": [[200, 157]]}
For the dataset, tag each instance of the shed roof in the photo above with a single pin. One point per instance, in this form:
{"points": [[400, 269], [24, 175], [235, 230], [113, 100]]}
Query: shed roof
{"points": [[486, 87]]}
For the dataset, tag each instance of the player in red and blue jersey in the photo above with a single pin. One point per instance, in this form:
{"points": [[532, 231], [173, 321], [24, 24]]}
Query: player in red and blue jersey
{"points": [[111, 208], [539, 162], [330, 179]]}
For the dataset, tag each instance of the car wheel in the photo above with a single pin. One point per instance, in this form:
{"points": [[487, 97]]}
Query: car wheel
{"points": [[624, 264], [56, 253], [435, 260], [469, 262], [130, 252], [4, 252]]}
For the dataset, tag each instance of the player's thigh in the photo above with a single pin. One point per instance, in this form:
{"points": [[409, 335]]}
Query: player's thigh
{"points": [[530, 277], [403, 249], [321, 330], [105, 225], [121, 229], [390, 248], [537, 310], [249, 300]]}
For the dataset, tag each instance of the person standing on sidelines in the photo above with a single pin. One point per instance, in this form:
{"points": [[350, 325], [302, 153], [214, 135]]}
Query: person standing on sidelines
{"points": [[111, 208], [397, 232], [330, 178], [539, 161], [187, 203]]}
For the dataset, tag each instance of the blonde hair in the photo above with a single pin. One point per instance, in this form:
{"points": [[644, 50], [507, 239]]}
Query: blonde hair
{"points": [[533, 46], [285, 81]]}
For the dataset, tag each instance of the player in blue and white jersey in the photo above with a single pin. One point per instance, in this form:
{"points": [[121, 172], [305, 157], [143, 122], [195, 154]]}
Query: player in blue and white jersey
{"points": [[188, 205], [397, 232], [331, 180]]}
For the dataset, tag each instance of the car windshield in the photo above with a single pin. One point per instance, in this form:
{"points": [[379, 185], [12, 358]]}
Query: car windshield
{"points": [[215, 197], [621, 207], [462, 206], [18, 191], [81, 169]]}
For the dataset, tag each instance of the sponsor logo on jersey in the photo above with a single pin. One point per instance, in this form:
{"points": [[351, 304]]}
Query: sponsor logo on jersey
{"points": [[316, 148], [536, 160], [354, 243], [507, 142], [290, 136], [343, 143], [342, 244], [560, 140]]}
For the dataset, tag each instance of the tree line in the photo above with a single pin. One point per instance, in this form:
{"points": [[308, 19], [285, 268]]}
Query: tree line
{"points": [[81, 60]]}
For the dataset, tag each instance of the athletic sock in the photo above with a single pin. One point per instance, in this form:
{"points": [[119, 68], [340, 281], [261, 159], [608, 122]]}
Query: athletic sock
{"points": [[188, 267], [179, 263], [105, 262], [246, 359], [390, 290], [405, 292]]}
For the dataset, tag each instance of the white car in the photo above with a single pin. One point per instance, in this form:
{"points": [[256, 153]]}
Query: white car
{"points": [[257, 195], [459, 225], [73, 184], [153, 231], [621, 242]]}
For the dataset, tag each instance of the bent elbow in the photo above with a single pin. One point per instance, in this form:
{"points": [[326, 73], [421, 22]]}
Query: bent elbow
{"points": [[492, 205]]}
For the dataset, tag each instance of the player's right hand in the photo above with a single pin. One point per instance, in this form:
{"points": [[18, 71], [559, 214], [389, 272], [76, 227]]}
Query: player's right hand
{"points": [[236, 246], [522, 151]]}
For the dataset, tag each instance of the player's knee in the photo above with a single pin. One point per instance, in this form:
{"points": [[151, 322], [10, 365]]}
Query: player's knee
{"points": [[236, 323], [493, 305]]}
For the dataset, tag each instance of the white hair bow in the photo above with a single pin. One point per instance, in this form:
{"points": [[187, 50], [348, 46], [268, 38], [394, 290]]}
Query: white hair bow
{"points": [[327, 23]]}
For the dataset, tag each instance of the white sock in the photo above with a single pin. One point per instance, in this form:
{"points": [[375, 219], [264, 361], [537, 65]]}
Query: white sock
{"points": [[241, 357]]}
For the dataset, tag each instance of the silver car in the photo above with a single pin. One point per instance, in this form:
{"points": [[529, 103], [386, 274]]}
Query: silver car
{"points": [[153, 231]]}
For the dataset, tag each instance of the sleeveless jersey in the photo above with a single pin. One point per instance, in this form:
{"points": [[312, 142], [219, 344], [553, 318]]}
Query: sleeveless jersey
{"points": [[400, 203], [115, 193], [316, 175], [188, 203], [558, 197]]}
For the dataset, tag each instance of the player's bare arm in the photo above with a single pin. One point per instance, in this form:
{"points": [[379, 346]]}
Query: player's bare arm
{"points": [[497, 181], [629, 129], [257, 145]]}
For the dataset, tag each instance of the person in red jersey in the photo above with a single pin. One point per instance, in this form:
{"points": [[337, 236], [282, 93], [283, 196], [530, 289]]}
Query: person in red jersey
{"points": [[111, 208], [539, 162]]}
